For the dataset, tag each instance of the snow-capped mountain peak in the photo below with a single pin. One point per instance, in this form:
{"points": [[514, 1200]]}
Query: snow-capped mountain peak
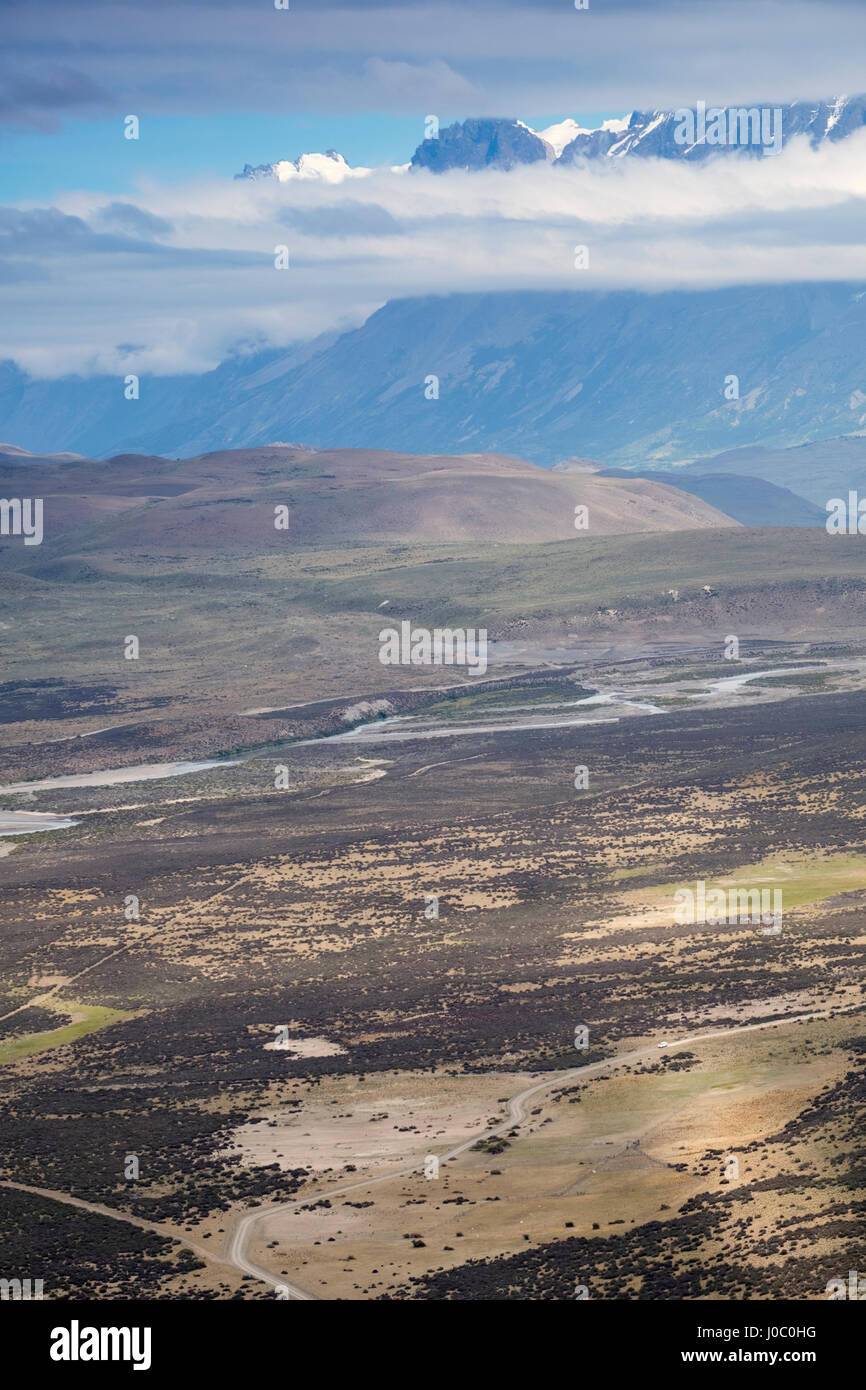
{"points": [[562, 134], [329, 167]]}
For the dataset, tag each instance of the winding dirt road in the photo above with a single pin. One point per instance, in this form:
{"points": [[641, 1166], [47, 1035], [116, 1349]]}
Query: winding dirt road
{"points": [[238, 1239], [240, 1235]]}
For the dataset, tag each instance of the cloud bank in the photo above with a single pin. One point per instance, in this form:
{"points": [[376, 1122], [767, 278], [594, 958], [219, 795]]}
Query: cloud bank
{"points": [[98, 57], [186, 272]]}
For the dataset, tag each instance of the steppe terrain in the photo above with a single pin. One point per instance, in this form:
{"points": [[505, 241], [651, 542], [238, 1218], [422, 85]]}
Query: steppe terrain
{"points": [[313, 940]]}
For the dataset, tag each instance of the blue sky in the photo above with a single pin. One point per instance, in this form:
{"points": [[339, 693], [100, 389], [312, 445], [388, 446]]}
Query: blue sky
{"points": [[38, 165]]}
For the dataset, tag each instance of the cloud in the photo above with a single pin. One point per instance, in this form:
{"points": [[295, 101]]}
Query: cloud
{"points": [[414, 58], [349, 218], [13, 273], [138, 222], [39, 98], [51, 234], [397, 84], [211, 279], [46, 231]]}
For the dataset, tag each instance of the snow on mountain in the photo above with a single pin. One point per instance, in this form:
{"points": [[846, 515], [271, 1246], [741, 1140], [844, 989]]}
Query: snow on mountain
{"points": [[329, 167], [618, 124], [500, 143], [658, 134], [560, 135], [476, 144]]}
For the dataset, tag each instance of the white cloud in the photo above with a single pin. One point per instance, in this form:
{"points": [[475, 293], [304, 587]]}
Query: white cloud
{"points": [[205, 277]]}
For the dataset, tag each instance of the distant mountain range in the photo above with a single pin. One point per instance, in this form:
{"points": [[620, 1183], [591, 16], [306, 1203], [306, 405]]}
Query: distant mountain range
{"points": [[630, 379], [505, 143]]}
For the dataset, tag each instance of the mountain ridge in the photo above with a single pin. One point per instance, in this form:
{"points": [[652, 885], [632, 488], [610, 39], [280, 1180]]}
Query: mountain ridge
{"points": [[506, 142], [623, 377]]}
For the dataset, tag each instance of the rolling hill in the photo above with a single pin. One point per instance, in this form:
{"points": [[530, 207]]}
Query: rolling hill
{"points": [[751, 501], [827, 468], [226, 501]]}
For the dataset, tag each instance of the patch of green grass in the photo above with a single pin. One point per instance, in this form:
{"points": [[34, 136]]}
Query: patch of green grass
{"points": [[710, 671], [95, 1017], [458, 706], [632, 573], [802, 880], [817, 681], [619, 874], [716, 669]]}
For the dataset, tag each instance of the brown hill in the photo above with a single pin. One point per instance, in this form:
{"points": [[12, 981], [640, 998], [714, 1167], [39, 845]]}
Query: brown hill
{"points": [[338, 497]]}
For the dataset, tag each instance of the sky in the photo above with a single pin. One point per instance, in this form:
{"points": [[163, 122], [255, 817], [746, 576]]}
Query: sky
{"points": [[119, 254]]}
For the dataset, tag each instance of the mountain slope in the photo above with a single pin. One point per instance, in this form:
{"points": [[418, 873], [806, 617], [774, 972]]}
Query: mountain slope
{"points": [[620, 376], [482, 144]]}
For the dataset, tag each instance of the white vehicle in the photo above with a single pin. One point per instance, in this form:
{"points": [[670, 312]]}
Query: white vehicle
{"points": [[663, 1044]]}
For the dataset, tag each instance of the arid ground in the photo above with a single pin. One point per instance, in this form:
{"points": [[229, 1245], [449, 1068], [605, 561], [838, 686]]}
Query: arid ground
{"points": [[253, 996]]}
